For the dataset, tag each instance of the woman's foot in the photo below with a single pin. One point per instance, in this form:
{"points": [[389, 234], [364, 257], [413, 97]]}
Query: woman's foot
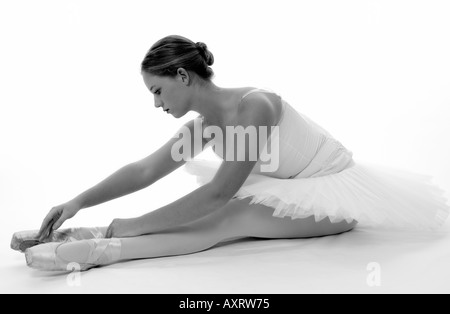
{"points": [[56, 256], [25, 239]]}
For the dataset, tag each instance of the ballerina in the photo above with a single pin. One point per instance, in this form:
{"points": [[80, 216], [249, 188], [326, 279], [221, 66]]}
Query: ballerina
{"points": [[313, 186]]}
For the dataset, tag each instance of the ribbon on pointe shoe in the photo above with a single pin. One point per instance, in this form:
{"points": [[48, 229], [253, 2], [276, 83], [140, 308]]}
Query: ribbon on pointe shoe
{"points": [[101, 252], [81, 233]]}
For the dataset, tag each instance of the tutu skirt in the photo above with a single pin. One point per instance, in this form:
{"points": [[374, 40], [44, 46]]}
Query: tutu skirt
{"points": [[372, 194]]}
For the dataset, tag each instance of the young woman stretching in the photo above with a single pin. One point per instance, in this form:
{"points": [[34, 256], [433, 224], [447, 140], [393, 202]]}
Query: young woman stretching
{"points": [[313, 186]]}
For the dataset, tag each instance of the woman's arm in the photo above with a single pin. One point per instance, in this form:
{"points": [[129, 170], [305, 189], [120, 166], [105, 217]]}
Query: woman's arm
{"points": [[229, 178], [134, 176], [128, 179], [190, 207]]}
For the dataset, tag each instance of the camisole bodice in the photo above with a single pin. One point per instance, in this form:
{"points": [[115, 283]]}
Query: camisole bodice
{"points": [[305, 149]]}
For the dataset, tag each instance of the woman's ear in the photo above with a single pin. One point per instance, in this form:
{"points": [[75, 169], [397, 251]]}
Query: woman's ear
{"points": [[183, 76]]}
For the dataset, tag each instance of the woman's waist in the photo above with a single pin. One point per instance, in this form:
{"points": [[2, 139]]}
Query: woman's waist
{"points": [[292, 161], [332, 157]]}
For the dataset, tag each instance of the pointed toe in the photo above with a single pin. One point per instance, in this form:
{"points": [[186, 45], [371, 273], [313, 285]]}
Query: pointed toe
{"points": [[99, 252], [19, 237], [23, 240], [43, 257]]}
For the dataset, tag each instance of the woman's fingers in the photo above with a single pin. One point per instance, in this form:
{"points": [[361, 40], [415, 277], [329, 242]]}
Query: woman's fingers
{"points": [[46, 232], [110, 231], [59, 222], [48, 222]]}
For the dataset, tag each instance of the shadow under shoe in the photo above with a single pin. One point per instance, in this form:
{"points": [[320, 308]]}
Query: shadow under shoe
{"points": [[101, 252]]}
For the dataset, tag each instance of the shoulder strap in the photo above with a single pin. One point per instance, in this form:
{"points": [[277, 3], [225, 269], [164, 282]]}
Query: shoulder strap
{"points": [[257, 90]]}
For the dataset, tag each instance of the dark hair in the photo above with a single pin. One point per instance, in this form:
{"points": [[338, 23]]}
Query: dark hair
{"points": [[173, 52]]}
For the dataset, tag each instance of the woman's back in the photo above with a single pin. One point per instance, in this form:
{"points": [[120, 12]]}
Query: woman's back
{"points": [[305, 149]]}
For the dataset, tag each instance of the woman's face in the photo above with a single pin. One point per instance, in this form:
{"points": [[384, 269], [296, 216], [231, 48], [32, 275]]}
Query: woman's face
{"points": [[170, 94]]}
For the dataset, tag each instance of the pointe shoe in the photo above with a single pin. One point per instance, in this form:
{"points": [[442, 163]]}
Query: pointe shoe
{"points": [[101, 252], [25, 239]]}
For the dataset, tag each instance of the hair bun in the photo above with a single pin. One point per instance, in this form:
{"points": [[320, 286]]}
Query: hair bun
{"points": [[205, 53]]}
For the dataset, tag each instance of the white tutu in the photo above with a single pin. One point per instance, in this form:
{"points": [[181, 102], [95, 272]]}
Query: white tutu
{"points": [[373, 195]]}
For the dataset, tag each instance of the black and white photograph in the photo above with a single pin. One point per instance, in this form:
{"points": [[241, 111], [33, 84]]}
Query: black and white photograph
{"points": [[252, 148]]}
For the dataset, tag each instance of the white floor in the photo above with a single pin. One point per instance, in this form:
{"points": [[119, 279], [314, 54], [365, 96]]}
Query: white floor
{"points": [[407, 263]]}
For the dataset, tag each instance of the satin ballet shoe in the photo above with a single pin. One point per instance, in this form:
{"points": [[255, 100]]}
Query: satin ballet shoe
{"points": [[25, 239], [101, 252]]}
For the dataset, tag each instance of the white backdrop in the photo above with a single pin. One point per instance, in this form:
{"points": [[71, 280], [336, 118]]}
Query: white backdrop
{"points": [[74, 108]]}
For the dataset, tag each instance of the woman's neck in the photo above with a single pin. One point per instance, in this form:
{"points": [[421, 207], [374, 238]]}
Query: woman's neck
{"points": [[215, 104]]}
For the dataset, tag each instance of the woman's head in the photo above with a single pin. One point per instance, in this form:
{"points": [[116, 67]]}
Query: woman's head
{"points": [[173, 52], [173, 62]]}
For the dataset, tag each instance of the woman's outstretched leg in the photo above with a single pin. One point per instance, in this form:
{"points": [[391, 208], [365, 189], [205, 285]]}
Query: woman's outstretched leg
{"points": [[237, 219], [190, 238]]}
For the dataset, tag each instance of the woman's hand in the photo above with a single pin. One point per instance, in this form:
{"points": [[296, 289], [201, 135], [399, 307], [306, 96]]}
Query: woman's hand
{"points": [[123, 228], [56, 217]]}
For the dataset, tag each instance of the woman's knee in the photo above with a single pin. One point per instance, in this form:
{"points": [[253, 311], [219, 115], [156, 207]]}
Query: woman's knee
{"points": [[257, 220], [239, 218], [333, 228]]}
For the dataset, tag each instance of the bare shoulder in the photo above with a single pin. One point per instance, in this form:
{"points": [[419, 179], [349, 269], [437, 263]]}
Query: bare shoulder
{"points": [[258, 108]]}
